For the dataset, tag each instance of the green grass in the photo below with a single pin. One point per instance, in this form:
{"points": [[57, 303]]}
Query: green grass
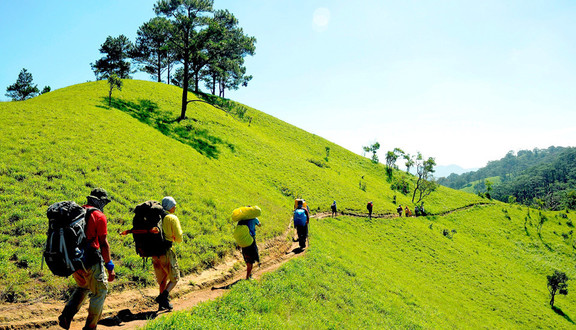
{"points": [[483, 266], [489, 272], [60, 145]]}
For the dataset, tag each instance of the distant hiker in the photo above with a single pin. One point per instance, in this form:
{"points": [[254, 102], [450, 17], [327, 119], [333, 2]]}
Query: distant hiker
{"points": [[369, 207], [333, 207], [407, 212], [399, 210], [166, 266], [301, 219], [97, 257], [419, 210]]}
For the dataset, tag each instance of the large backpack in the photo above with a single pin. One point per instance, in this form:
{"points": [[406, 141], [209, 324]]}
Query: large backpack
{"points": [[147, 216], [300, 217], [64, 252], [242, 234]]}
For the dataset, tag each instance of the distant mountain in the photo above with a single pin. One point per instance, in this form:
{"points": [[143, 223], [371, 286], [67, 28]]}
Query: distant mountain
{"points": [[444, 171]]}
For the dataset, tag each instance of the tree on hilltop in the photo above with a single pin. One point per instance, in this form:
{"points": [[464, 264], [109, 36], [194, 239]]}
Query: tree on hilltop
{"points": [[186, 39], [373, 149], [425, 183], [23, 88], [409, 162], [116, 60], [391, 158]]}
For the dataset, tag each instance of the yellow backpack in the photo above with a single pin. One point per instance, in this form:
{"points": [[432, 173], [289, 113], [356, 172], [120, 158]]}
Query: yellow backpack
{"points": [[242, 236]]}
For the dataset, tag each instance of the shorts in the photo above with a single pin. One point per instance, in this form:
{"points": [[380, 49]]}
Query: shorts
{"points": [[166, 267], [250, 253]]}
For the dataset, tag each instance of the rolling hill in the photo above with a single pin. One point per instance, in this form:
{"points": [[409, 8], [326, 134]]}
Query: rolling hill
{"points": [[60, 145], [472, 263]]}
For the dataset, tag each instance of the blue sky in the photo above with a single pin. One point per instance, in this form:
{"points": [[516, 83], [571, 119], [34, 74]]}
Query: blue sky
{"points": [[461, 81]]}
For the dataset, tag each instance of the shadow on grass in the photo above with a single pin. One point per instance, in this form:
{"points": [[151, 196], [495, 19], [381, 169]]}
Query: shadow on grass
{"points": [[561, 313], [150, 114]]}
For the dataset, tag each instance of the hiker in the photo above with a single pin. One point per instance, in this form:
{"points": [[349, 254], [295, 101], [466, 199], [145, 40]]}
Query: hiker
{"points": [[399, 210], [250, 253], [301, 219], [166, 266], [407, 212], [97, 258], [333, 207], [369, 207]]}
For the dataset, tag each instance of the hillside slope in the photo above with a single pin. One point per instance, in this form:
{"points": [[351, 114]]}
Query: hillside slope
{"points": [[60, 145], [481, 267]]}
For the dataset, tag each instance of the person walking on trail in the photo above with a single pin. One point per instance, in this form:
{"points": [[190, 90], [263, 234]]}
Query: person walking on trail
{"points": [[399, 210], [166, 266], [407, 212], [334, 210], [301, 219], [369, 207], [250, 253], [93, 278]]}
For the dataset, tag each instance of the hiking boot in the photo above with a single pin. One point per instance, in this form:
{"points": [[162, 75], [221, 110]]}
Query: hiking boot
{"points": [[64, 322], [163, 301], [165, 306], [161, 297]]}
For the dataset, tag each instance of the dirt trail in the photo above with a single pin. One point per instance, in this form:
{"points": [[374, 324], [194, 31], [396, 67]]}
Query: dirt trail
{"points": [[191, 290]]}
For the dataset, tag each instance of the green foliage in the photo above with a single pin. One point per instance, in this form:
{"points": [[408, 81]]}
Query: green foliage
{"points": [[373, 148], [45, 90], [428, 272], [545, 177], [116, 58], [150, 49], [23, 88], [227, 105], [113, 82], [425, 183], [557, 284], [401, 184]]}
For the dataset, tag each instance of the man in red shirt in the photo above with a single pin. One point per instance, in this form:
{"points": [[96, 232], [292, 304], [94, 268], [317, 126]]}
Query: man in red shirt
{"points": [[97, 258]]}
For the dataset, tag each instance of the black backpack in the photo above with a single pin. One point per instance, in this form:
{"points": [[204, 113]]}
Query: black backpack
{"points": [[66, 239], [147, 216]]}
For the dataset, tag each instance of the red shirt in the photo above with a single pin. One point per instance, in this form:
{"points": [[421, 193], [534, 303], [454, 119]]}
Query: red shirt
{"points": [[97, 225]]}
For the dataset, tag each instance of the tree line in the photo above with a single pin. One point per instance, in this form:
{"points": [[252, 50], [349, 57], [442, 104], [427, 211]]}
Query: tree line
{"points": [[544, 178], [425, 182], [188, 42]]}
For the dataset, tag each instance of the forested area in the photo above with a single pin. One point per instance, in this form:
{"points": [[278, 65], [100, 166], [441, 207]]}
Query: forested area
{"points": [[544, 178], [188, 43]]}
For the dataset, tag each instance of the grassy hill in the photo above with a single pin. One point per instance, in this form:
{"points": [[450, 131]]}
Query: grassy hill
{"points": [[475, 268], [60, 145]]}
